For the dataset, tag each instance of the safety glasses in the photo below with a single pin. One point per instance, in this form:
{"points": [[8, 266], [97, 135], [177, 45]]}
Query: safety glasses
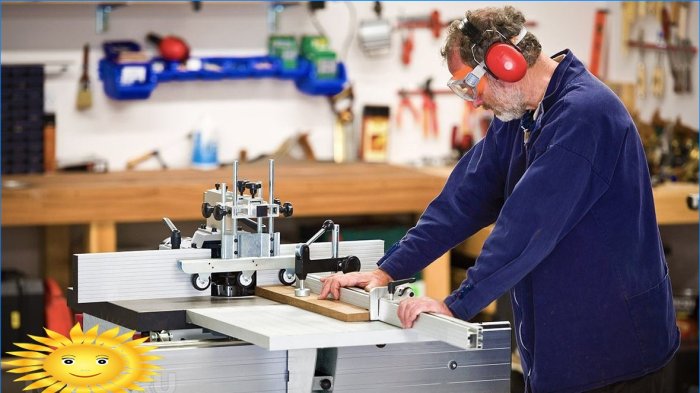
{"points": [[465, 82]]}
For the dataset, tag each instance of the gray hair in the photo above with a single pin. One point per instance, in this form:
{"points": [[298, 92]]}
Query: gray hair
{"points": [[507, 21]]}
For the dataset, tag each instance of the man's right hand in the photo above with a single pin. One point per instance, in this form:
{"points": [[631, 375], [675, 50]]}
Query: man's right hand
{"points": [[366, 280]]}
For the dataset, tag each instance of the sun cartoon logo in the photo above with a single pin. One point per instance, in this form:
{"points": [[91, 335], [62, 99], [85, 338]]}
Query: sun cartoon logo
{"points": [[85, 362]]}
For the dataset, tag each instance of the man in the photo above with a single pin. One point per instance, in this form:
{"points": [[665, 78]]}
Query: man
{"points": [[563, 175]]}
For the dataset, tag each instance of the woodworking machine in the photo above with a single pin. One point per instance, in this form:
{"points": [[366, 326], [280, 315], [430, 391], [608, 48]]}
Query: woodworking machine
{"points": [[228, 338]]}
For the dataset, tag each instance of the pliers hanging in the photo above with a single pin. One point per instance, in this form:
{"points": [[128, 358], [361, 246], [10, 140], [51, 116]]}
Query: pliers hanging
{"points": [[406, 104], [430, 122]]}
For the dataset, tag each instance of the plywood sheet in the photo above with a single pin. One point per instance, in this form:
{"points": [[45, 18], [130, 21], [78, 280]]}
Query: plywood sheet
{"points": [[330, 308]]}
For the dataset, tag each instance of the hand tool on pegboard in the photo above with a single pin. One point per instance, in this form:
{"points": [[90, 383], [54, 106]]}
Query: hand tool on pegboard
{"points": [[374, 35], [629, 16], [675, 54], [686, 47], [405, 104], [84, 98], [341, 105], [431, 22], [430, 121], [598, 51], [658, 76], [641, 81], [407, 24], [461, 142], [406, 46]]}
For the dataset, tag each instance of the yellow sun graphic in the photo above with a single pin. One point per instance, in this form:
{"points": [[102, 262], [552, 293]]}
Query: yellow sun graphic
{"points": [[85, 362]]}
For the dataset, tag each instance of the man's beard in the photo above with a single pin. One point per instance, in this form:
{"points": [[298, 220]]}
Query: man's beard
{"points": [[508, 103]]}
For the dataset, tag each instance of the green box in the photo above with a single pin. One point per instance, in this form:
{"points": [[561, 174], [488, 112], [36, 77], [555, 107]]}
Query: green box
{"points": [[325, 63], [311, 44], [286, 48]]}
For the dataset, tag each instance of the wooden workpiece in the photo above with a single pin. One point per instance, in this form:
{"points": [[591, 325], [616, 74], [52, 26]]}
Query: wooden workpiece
{"points": [[330, 308]]}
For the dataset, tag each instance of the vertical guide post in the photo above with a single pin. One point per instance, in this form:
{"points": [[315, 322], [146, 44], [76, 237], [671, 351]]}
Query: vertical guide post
{"points": [[234, 210], [261, 224], [271, 220], [225, 239], [335, 240]]}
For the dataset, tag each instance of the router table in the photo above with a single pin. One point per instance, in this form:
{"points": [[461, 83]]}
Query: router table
{"points": [[196, 299]]}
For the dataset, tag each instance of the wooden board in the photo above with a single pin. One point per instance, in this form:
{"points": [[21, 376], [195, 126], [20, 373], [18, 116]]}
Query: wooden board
{"points": [[330, 308]]}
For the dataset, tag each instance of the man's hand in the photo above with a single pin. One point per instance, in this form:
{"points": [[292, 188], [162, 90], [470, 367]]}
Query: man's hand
{"points": [[410, 308], [366, 280]]}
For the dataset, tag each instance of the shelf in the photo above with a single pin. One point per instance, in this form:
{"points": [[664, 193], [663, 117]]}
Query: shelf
{"points": [[137, 80]]}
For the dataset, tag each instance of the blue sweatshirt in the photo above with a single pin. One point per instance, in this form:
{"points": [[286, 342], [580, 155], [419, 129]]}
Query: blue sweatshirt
{"points": [[575, 238]]}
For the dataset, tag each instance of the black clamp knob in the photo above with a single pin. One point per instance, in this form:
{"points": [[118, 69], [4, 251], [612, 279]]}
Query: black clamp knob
{"points": [[327, 225], [220, 212], [325, 384], [392, 285], [253, 187], [175, 239], [287, 209], [240, 186], [350, 264], [207, 209]]}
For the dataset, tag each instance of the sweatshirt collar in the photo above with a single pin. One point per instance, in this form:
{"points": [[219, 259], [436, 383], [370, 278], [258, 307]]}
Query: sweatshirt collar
{"points": [[558, 80]]}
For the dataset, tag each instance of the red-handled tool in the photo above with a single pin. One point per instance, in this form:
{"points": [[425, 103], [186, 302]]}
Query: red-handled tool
{"points": [[406, 104], [430, 122], [170, 47], [407, 47], [461, 141]]}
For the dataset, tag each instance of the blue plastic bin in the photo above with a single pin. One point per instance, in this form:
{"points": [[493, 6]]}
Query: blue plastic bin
{"points": [[264, 66], [310, 84], [127, 81], [293, 73]]}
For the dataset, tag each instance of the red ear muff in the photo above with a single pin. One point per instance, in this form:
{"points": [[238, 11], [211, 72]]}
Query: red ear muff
{"points": [[506, 62]]}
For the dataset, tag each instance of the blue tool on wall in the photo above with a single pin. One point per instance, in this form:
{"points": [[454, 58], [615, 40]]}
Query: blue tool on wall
{"points": [[126, 76]]}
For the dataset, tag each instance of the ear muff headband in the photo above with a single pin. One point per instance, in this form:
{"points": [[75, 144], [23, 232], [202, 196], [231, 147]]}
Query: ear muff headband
{"points": [[503, 60]]}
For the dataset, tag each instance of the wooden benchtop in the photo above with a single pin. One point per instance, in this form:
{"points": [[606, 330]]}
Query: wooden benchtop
{"points": [[315, 189], [669, 199]]}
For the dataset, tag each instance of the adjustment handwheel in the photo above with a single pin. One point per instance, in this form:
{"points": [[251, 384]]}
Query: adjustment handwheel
{"points": [[200, 283]]}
